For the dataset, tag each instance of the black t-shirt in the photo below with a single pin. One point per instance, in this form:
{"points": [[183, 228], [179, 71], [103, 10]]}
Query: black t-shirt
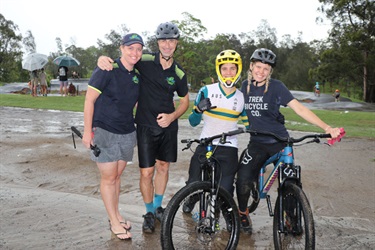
{"points": [[263, 109], [157, 90], [119, 90]]}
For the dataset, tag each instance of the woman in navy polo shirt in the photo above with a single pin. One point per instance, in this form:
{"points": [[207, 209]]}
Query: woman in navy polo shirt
{"points": [[109, 124]]}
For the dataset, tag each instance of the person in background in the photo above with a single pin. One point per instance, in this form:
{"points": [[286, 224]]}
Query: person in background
{"points": [[63, 78], [72, 89], [156, 118], [220, 105], [75, 75], [263, 98], [336, 95], [109, 124], [34, 79], [317, 89], [43, 82]]}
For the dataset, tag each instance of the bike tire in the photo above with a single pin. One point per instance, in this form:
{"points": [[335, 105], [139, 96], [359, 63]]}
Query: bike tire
{"points": [[295, 236], [181, 230]]}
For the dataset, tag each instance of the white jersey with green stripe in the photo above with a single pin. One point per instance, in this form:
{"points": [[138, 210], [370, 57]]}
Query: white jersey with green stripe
{"points": [[224, 118]]}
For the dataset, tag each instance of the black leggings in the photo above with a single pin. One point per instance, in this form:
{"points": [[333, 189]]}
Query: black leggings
{"points": [[249, 167], [227, 158]]}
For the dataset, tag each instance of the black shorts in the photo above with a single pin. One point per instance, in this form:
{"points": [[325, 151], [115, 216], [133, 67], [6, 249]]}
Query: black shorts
{"points": [[156, 144]]}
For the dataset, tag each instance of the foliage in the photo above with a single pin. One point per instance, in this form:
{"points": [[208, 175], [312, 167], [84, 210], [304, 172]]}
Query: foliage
{"points": [[352, 52], [29, 42], [10, 51], [346, 59]]}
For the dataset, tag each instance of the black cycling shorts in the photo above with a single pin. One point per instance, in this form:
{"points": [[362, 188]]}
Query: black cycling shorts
{"points": [[156, 144]]}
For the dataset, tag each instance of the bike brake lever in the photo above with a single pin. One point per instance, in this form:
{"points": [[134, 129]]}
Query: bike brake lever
{"points": [[188, 145]]}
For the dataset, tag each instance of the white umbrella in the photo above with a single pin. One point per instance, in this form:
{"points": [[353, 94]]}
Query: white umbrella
{"points": [[34, 61]]}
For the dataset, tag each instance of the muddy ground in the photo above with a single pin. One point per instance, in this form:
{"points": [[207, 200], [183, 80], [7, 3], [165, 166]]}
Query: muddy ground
{"points": [[50, 195]]}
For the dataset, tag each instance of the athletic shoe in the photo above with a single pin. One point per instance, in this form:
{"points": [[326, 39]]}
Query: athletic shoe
{"points": [[159, 213], [190, 203], [148, 223], [246, 225]]}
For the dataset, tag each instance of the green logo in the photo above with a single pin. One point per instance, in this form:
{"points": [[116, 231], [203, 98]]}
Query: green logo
{"points": [[170, 80], [135, 36], [135, 79]]}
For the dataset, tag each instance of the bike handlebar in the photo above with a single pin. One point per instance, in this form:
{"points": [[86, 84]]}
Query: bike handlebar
{"points": [[288, 139], [223, 136]]}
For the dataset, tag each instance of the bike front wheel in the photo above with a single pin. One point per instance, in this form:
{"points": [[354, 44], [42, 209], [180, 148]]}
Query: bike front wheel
{"points": [[194, 230], [293, 223]]}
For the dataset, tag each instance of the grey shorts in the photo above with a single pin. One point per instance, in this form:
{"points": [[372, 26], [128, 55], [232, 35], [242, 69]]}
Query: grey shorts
{"points": [[113, 147], [63, 84]]}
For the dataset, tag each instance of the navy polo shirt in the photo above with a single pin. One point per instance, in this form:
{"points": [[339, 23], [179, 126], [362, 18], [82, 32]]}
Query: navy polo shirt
{"points": [[119, 91], [157, 90]]}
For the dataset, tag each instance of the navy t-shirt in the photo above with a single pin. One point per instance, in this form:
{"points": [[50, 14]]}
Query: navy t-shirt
{"points": [[263, 108], [157, 90], [119, 91]]}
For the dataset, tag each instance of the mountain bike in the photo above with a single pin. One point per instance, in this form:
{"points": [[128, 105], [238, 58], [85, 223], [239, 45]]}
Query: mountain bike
{"points": [[204, 227], [293, 222]]}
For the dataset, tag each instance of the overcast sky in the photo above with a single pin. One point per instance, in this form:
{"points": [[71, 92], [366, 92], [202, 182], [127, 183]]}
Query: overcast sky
{"points": [[86, 21]]}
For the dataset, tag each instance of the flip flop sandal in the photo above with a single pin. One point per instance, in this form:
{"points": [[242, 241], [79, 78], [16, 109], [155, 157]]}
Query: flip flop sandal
{"points": [[126, 225], [118, 234]]}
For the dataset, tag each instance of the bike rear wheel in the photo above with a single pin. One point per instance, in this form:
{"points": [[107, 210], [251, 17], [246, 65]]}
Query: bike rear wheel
{"points": [[297, 219], [181, 230]]}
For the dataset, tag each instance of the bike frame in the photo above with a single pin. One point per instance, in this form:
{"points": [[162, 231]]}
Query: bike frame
{"points": [[282, 159], [283, 170]]}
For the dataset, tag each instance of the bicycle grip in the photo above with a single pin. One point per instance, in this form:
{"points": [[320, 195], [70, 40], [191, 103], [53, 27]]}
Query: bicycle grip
{"points": [[338, 138], [75, 130]]}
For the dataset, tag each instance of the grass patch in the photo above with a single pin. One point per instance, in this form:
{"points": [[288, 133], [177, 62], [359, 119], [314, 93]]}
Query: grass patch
{"points": [[356, 123], [68, 103]]}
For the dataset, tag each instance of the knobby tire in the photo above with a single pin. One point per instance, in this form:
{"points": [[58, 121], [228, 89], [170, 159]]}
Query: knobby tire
{"points": [[295, 236], [181, 230]]}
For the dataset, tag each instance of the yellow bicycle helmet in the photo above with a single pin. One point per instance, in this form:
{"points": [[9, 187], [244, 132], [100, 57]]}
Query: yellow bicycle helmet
{"points": [[228, 56]]}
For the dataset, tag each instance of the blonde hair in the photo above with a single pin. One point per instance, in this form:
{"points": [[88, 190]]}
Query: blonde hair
{"points": [[250, 78]]}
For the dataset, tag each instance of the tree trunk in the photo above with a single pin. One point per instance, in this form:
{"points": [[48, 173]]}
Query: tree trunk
{"points": [[365, 55]]}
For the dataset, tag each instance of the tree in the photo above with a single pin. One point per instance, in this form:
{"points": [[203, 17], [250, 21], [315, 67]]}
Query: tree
{"points": [[190, 51], [10, 51], [112, 49], [29, 42], [353, 33]]}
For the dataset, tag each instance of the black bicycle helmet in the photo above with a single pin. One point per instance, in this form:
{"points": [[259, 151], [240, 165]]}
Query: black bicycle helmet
{"points": [[265, 56], [167, 31]]}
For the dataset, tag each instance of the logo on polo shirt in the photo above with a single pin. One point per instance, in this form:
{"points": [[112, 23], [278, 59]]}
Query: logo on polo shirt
{"points": [[170, 80], [135, 79]]}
